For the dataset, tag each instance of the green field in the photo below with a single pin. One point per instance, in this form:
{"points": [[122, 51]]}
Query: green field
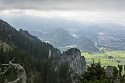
{"points": [[105, 61]]}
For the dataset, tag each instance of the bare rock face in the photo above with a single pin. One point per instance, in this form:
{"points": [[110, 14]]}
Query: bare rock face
{"points": [[109, 70], [76, 62]]}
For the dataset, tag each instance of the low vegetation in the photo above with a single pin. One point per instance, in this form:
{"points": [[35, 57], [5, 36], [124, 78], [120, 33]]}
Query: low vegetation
{"points": [[97, 74]]}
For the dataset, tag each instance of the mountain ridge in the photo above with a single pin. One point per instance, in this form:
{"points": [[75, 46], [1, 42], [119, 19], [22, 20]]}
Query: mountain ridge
{"points": [[63, 40], [39, 59]]}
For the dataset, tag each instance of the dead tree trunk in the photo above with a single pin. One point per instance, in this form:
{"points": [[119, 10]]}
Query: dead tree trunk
{"points": [[21, 74]]}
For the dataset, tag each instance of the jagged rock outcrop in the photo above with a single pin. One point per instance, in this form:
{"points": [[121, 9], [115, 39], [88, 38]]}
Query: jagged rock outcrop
{"points": [[109, 70], [76, 62]]}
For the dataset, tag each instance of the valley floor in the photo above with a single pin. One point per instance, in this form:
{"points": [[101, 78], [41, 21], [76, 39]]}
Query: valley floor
{"points": [[112, 58]]}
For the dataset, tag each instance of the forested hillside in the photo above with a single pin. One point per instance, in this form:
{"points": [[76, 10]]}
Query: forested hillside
{"points": [[39, 59]]}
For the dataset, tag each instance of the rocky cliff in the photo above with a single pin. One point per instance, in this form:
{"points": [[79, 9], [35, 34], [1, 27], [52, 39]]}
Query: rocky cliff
{"points": [[76, 62]]}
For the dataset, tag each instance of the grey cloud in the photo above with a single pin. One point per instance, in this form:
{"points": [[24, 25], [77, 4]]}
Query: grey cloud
{"points": [[85, 5]]}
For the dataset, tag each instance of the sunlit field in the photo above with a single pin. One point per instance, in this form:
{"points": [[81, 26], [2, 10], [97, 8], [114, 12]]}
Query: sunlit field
{"points": [[112, 58]]}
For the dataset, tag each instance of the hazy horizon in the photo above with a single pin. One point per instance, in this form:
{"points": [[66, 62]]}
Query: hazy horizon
{"points": [[95, 11]]}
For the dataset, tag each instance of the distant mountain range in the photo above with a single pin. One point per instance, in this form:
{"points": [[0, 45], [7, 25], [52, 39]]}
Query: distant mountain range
{"points": [[65, 34], [63, 40], [43, 24]]}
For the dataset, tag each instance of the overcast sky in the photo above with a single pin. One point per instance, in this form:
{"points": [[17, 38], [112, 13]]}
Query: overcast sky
{"points": [[82, 10]]}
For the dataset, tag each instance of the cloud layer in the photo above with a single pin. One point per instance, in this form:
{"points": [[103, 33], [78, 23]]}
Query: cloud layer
{"points": [[82, 5], [88, 10]]}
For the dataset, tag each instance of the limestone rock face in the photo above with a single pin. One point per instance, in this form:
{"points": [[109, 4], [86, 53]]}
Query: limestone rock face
{"points": [[109, 70], [76, 62]]}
